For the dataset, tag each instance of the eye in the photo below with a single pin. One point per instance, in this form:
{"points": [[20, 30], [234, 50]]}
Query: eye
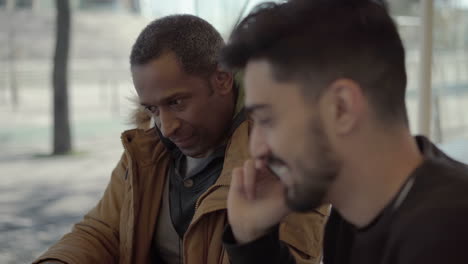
{"points": [[263, 121], [152, 109], [178, 104], [175, 102]]}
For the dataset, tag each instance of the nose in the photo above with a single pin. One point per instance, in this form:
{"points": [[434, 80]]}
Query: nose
{"points": [[259, 148], [168, 123]]}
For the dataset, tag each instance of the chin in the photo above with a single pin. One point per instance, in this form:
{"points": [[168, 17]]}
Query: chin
{"points": [[304, 199], [193, 153]]}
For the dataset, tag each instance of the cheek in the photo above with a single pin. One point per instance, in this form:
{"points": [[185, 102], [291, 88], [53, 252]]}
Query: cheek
{"points": [[274, 139], [207, 118], [194, 118], [287, 137]]}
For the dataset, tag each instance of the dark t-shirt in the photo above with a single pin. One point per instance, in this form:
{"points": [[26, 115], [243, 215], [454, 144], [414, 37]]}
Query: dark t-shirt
{"points": [[430, 225]]}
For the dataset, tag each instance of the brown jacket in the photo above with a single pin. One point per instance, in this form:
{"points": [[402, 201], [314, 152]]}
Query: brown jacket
{"points": [[120, 228]]}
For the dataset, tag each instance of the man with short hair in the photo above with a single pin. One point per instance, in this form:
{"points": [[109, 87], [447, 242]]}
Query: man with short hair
{"points": [[166, 201], [325, 82]]}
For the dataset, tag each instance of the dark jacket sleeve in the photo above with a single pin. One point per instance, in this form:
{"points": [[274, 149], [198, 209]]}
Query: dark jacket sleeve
{"points": [[266, 249]]}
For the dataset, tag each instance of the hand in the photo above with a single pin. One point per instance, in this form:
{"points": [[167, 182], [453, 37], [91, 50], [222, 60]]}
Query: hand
{"points": [[256, 201]]}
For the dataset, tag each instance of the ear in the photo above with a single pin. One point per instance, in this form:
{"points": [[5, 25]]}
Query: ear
{"points": [[343, 105], [222, 81]]}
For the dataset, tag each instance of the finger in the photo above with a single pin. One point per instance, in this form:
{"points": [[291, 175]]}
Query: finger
{"points": [[259, 164], [250, 179], [237, 182]]}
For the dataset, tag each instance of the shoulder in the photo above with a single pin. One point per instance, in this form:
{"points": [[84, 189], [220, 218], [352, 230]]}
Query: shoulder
{"points": [[432, 233], [438, 184], [438, 198], [143, 146], [238, 145]]}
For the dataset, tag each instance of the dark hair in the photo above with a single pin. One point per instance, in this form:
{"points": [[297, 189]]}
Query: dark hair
{"points": [[317, 42], [195, 42]]}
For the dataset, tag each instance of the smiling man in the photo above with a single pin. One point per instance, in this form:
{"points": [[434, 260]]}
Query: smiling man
{"points": [[325, 82], [166, 201]]}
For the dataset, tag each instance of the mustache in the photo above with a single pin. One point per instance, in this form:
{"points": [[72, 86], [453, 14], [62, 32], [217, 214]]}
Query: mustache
{"points": [[273, 160], [275, 165]]}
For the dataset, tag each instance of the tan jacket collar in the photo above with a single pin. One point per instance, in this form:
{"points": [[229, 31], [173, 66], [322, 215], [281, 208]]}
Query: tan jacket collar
{"points": [[145, 148]]}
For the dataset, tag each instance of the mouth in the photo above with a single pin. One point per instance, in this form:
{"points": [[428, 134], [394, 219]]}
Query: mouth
{"points": [[278, 168], [185, 142]]}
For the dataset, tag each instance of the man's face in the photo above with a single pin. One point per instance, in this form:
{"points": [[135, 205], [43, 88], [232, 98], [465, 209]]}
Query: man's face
{"points": [[189, 110], [288, 133]]}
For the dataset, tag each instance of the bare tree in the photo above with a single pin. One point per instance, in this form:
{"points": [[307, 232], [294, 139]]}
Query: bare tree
{"points": [[62, 134], [10, 5], [135, 6]]}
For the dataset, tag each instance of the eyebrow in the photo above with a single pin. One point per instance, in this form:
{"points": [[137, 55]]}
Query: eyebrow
{"points": [[255, 107], [168, 98]]}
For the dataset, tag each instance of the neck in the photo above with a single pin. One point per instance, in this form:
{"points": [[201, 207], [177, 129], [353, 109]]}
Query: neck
{"points": [[374, 175]]}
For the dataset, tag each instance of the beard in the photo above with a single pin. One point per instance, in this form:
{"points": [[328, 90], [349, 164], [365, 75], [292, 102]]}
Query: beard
{"points": [[317, 169]]}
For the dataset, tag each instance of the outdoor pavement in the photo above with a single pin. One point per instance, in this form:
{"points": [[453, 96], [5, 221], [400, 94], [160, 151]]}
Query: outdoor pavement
{"points": [[42, 196]]}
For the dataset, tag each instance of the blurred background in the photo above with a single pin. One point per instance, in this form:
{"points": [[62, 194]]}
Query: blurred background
{"points": [[48, 179]]}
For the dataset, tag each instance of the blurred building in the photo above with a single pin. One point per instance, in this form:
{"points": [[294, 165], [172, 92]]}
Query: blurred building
{"points": [[222, 14], [111, 27], [38, 5]]}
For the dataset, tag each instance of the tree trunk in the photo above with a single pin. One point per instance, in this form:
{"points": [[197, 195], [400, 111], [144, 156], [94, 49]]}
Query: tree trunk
{"points": [[62, 134], [135, 6], [12, 57]]}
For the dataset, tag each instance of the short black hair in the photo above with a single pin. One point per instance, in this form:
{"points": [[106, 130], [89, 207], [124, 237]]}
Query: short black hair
{"points": [[319, 41], [195, 42]]}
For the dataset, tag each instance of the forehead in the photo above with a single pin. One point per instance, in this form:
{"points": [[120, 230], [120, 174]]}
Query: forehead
{"points": [[164, 68], [163, 77], [262, 88]]}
